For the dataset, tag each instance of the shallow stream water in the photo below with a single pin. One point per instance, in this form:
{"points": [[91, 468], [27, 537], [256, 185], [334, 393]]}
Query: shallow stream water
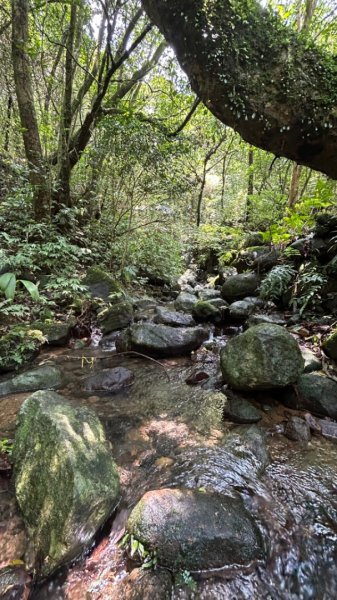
{"points": [[165, 433]]}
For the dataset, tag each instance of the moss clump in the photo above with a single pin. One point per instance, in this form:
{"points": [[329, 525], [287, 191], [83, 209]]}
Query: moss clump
{"points": [[18, 346]]}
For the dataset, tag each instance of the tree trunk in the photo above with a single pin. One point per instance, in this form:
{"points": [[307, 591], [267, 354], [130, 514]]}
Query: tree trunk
{"points": [[293, 195], [38, 173], [250, 186], [256, 75]]}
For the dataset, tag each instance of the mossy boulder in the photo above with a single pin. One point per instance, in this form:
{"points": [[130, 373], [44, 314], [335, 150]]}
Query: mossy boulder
{"points": [[330, 346], [18, 346], [239, 286], [161, 340], [185, 302], [115, 317], [56, 333], [265, 356], [66, 481], [101, 284], [205, 311], [195, 530], [253, 238], [46, 377]]}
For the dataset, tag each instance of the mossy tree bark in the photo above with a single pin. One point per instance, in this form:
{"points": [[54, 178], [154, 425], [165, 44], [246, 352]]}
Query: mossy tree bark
{"points": [[256, 75]]}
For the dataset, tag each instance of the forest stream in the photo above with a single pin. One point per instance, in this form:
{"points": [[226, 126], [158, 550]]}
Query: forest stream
{"points": [[166, 434]]}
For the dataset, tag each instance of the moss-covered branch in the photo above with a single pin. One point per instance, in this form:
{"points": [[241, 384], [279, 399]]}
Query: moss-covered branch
{"points": [[272, 86]]}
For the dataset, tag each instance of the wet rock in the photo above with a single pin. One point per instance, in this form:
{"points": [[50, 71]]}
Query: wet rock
{"points": [[330, 346], [66, 481], [205, 311], [115, 317], [273, 318], [242, 309], [208, 294], [265, 356], [46, 377], [328, 429], [109, 380], [142, 585], [14, 583], [239, 409], [298, 430], [161, 340], [195, 530], [173, 318], [311, 362], [101, 284], [317, 393], [239, 286], [185, 302], [57, 334]]}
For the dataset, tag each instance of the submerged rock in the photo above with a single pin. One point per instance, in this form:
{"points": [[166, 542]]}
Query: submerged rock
{"points": [[144, 585], [109, 380], [115, 317], [239, 409], [161, 340], [239, 286], [66, 481], [173, 318], [195, 529], [265, 356], [46, 377], [298, 430]]}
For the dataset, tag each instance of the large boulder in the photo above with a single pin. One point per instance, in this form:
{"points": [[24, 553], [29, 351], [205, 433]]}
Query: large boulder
{"points": [[46, 377], [195, 530], [66, 481], [101, 284], [161, 340], [239, 286], [265, 356], [173, 318], [316, 393], [115, 317]]}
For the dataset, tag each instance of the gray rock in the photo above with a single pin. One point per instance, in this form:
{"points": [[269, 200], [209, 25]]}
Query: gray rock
{"points": [[205, 311], [298, 430], [195, 530], [265, 356], [208, 294], [239, 286], [66, 482], [317, 393], [47, 377], [109, 380], [240, 410], [219, 303], [115, 317], [311, 362], [173, 318], [144, 303], [242, 309], [185, 302], [274, 318], [161, 340]]}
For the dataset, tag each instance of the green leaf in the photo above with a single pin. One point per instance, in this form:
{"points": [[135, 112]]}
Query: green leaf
{"points": [[134, 546], [31, 288], [8, 285]]}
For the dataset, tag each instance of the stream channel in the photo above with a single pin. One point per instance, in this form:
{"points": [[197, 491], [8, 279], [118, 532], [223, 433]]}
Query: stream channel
{"points": [[165, 433]]}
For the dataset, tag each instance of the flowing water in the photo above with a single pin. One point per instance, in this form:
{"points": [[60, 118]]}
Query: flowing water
{"points": [[165, 433]]}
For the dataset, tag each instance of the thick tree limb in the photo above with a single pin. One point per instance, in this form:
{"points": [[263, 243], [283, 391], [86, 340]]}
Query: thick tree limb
{"points": [[260, 78]]}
